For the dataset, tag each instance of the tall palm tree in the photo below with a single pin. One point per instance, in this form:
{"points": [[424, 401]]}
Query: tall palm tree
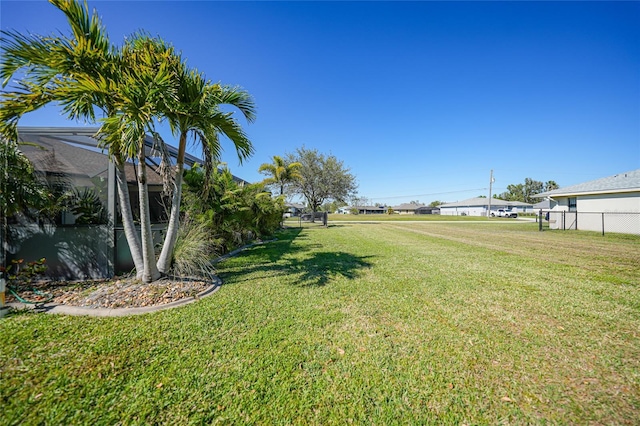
{"points": [[85, 73], [147, 89], [78, 72], [197, 113], [280, 172], [133, 86]]}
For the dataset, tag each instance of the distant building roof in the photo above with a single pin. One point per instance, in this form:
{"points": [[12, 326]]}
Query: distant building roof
{"points": [[484, 202], [372, 208], [544, 205], [408, 206], [294, 205], [622, 182]]}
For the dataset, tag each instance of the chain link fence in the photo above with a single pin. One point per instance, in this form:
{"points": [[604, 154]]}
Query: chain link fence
{"points": [[307, 220], [603, 222]]}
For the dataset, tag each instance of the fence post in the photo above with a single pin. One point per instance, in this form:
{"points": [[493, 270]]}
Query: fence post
{"points": [[564, 220], [603, 223], [540, 220]]}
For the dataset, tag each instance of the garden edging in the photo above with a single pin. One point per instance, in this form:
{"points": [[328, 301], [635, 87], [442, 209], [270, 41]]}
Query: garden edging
{"points": [[57, 308]]}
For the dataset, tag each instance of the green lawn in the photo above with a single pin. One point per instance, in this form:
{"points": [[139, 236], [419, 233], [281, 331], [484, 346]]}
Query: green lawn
{"points": [[404, 217], [387, 323]]}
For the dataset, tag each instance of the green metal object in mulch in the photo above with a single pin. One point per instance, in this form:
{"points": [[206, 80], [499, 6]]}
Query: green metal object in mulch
{"points": [[46, 297]]}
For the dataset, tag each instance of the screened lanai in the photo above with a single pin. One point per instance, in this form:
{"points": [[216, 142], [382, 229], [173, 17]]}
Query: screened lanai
{"points": [[86, 238]]}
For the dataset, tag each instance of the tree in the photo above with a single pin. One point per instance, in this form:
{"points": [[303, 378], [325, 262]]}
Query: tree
{"points": [[435, 203], [523, 192], [133, 86], [76, 72], [332, 206], [232, 211], [197, 113], [322, 178], [359, 200], [550, 185], [280, 173], [20, 190], [146, 89]]}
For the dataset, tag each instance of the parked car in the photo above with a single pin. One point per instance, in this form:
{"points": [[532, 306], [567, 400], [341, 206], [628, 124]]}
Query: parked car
{"points": [[504, 213]]}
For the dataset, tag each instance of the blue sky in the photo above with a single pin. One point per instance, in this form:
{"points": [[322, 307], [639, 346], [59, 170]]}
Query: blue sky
{"points": [[419, 99]]}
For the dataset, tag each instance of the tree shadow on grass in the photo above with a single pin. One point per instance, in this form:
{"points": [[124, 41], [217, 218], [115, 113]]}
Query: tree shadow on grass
{"points": [[283, 258], [317, 269]]}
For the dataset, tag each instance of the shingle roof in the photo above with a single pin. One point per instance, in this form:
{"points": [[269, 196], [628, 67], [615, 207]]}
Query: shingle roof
{"points": [[408, 206], [622, 182]]}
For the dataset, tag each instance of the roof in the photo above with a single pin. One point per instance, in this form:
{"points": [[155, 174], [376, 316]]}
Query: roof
{"points": [[67, 144], [544, 205], [381, 208], [476, 201], [622, 182], [294, 205], [408, 206], [484, 202]]}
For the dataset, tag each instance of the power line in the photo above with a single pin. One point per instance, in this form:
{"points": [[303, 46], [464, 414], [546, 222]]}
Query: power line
{"points": [[428, 194]]}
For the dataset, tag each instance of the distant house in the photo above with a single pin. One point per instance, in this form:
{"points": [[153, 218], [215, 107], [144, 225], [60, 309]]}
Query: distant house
{"points": [[427, 210], [293, 209], [609, 204], [407, 208], [544, 205], [479, 206], [363, 209]]}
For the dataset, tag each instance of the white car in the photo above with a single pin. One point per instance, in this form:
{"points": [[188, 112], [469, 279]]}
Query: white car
{"points": [[504, 213]]}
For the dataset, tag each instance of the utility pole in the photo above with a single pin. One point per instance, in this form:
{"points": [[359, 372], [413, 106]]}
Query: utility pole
{"points": [[491, 180]]}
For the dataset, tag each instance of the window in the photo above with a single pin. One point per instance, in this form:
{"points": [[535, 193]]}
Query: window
{"points": [[573, 204]]}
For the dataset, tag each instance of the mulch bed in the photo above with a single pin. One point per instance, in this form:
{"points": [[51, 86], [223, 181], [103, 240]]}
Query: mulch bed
{"points": [[122, 292]]}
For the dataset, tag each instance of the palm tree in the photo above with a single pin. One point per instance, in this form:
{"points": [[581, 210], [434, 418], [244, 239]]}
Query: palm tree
{"points": [[280, 172], [147, 89], [133, 86], [79, 72], [84, 73], [197, 113], [550, 185]]}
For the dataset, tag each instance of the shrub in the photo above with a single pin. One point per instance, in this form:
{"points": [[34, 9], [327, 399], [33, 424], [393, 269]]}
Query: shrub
{"points": [[194, 250], [233, 213]]}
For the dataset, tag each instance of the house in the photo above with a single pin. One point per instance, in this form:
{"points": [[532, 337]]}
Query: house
{"points": [[480, 206], [370, 209], [544, 205], [83, 245], [362, 210], [427, 210], [293, 209], [407, 208], [610, 204]]}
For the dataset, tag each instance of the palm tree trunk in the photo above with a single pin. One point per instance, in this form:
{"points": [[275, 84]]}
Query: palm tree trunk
{"points": [[164, 261], [133, 239], [150, 271]]}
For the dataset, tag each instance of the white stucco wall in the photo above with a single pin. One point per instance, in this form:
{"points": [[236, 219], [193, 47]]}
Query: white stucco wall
{"points": [[629, 202], [468, 211], [608, 212]]}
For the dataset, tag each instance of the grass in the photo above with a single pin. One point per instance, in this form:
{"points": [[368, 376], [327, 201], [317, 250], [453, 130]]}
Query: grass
{"points": [[388, 323], [405, 218]]}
